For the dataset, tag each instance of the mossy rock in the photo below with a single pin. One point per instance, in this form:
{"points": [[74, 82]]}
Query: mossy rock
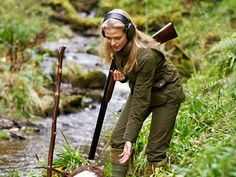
{"points": [[71, 104], [93, 51], [93, 80], [66, 12], [95, 95], [62, 5]]}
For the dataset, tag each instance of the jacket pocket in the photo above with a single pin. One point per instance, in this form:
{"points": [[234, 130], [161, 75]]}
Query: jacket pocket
{"points": [[175, 92], [158, 98]]}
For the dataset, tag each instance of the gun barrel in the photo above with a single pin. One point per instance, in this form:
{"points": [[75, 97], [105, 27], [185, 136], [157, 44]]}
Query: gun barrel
{"points": [[108, 90], [165, 34]]}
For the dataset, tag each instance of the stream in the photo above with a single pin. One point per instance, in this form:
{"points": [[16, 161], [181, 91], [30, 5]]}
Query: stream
{"points": [[78, 128]]}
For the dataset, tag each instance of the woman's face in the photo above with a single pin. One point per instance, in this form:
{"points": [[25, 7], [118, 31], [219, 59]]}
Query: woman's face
{"points": [[116, 38]]}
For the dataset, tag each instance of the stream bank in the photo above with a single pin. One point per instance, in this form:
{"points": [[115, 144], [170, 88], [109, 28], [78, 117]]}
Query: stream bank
{"points": [[77, 127]]}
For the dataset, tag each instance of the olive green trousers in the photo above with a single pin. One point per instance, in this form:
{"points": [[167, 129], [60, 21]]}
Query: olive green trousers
{"points": [[161, 130]]}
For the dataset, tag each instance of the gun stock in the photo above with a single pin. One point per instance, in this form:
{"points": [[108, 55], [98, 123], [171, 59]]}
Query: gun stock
{"points": [[163, 35]]}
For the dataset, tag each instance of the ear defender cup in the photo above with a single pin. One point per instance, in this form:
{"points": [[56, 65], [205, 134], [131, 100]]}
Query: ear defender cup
{"points": [[130, 31], [129, 27], [103, 33]]}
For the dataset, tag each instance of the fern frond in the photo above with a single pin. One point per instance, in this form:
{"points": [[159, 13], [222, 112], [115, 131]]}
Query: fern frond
{"points": [[228, 44]]}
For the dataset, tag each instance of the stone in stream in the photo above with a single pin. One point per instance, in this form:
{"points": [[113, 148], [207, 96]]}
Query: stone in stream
{"points": [[6, 123]]}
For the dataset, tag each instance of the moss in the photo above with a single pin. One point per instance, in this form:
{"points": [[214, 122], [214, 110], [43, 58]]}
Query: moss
{"points": [[71, 103], [65, 4], [92, 79], [4, 135]]}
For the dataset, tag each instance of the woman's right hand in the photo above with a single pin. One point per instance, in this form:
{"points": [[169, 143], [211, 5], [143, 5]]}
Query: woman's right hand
{"points": [[118, 76], [126, 152]]}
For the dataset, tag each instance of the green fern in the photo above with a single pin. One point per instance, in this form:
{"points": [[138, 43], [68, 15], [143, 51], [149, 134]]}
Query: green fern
{"points": [[228, 44]]}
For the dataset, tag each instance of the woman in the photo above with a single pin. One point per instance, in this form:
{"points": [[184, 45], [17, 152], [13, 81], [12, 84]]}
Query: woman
{"points": [[155, 88]]}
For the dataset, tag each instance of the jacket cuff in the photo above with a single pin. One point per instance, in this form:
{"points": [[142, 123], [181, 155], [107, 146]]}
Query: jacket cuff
{"points": [[129, 138], [125, 80]]}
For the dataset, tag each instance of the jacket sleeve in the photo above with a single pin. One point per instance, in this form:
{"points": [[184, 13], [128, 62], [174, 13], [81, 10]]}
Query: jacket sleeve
{"points": [[140, 99]]}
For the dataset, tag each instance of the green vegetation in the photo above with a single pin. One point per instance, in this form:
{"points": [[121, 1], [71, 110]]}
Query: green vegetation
{"points": [[23, 92], [204, 140], [23, 26], [68, 158], [4, 135], [22, 83]]}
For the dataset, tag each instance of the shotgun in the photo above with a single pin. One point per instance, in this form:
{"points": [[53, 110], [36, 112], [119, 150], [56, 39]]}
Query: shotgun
{"points": [[165, 34]]}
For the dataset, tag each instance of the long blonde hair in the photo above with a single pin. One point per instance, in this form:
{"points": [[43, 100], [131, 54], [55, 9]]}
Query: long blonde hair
{"points": [[140, 40]]}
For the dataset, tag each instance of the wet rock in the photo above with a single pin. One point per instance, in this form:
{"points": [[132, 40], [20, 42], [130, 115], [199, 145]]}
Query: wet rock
{"points": [[16, 135], [86, 102], [18, 130], [74, 99], [65, 124], [6, 123], [95, 95], [30, 127]]}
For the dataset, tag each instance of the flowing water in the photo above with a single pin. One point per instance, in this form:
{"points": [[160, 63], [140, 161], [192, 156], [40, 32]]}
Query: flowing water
{"points": [[78, 127]]}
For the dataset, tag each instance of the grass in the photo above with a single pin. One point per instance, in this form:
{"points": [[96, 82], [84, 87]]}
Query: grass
{"points": [[204, 136], [24, 93], [68, 158], [203, 143]]}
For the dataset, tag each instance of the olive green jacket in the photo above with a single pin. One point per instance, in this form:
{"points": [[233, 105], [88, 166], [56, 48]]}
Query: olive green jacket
{"points": [[153, 82]]}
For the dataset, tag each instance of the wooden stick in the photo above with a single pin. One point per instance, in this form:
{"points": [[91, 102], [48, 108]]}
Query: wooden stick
{"points": [[55, 110]]}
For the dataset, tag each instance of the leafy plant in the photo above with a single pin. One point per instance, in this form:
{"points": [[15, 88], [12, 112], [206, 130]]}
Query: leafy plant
{"points": [[67, 158], [228, 44], [218, 160]]}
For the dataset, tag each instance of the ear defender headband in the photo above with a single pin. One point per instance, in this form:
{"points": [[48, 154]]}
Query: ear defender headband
{"points": [[129, 27]]}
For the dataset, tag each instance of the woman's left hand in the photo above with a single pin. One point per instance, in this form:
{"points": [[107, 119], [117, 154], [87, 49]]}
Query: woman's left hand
{"points": [[126, 152]]}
